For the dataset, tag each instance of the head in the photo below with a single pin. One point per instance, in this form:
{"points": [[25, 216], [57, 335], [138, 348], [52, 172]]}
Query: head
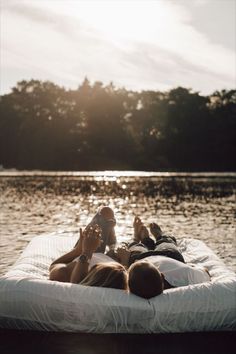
{"points": [[145, 280], [107, 275]]}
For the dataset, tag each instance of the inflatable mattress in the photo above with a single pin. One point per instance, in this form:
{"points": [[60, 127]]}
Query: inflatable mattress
{"points": [[28, 300]]}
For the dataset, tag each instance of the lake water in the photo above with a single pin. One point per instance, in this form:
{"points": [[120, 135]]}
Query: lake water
{"points": [[193, 205]]}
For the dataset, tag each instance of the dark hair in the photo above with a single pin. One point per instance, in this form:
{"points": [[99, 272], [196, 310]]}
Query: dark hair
{"points": [[145, 280], [107, 275]]}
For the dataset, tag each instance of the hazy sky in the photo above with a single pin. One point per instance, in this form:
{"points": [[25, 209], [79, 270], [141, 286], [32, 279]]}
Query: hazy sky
{"points": [[148, 44]]}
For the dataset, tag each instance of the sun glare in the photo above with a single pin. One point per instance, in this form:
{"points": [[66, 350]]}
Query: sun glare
{"points": [[122, 20], [125, 20]]}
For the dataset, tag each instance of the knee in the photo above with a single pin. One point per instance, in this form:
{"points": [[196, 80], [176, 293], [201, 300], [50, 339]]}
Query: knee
{"points": [[59, 274], [107, 212]]}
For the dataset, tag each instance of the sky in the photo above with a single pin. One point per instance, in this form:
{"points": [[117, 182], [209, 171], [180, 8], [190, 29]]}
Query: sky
{"points": [[137, 44]]}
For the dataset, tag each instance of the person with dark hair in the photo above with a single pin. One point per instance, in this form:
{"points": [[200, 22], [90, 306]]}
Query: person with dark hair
{"points": [[145, 280], [153, 266], [156, 266]]}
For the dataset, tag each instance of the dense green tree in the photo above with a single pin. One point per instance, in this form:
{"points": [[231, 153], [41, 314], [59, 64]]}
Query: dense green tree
{"points": [[44, 126]]}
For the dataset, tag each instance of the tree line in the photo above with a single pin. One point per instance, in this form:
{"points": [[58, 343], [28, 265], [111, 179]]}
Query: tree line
{"points": [[95, 127]]}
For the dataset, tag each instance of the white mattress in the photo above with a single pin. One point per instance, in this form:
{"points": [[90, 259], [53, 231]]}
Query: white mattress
{"points": [[29, 301]]}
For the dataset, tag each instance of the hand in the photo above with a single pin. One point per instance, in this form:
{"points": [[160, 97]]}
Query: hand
{"points": [[123, 254], [78, 245], [91, 239]]}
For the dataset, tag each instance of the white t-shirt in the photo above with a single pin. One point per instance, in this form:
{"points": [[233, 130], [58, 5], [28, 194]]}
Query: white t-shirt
{"points": [[98, 258], [178, 273]]}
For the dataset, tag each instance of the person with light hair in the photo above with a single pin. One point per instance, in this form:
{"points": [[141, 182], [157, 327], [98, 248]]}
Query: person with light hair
{"points": [[85, 264], [144, 267]]}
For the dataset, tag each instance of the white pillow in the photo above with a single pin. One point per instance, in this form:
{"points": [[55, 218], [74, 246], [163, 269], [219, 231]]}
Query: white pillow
{"points": [[29, 301]]}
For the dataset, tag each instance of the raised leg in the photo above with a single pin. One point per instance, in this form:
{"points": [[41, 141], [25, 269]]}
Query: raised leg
{"points": [[106, 220]]}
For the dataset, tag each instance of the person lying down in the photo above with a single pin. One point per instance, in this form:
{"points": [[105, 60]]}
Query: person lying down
{"points": [[154, 266], [144, 267]]}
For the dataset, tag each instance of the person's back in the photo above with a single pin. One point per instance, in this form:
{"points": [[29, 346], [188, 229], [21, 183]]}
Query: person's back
{"points": [[150, 276], [177, 273]]}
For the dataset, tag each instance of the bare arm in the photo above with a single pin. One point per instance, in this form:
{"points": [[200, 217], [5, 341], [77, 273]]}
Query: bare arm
{"points": [[91, 241], [71, 255], [80, 270]]}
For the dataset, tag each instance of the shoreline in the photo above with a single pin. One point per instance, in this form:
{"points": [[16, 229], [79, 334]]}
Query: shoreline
{"points": [[114, 173]]}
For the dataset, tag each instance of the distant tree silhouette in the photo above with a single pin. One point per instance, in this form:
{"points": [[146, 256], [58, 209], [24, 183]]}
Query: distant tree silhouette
{"points": [[44, 126]]}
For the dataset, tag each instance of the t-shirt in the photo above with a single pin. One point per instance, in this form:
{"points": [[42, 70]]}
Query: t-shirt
{"points": [[178, 273], [98, 258]]}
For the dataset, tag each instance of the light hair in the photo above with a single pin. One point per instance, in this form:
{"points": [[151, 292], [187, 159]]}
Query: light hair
{"points": [[107, 275], [145, 280]]}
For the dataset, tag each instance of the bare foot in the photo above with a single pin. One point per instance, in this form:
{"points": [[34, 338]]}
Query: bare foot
{"points": [[143, 233], [140, 231], [137, 224], [155, 230]]}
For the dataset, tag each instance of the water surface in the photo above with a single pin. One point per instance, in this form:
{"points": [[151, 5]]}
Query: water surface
{"points": [[186, 205]]}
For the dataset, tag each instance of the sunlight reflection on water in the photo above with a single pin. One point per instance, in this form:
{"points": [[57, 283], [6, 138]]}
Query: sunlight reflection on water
{"points": [[196, 206]]}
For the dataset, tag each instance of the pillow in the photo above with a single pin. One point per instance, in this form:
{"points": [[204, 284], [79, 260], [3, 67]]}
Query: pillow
{"points": [[28, 300]]}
